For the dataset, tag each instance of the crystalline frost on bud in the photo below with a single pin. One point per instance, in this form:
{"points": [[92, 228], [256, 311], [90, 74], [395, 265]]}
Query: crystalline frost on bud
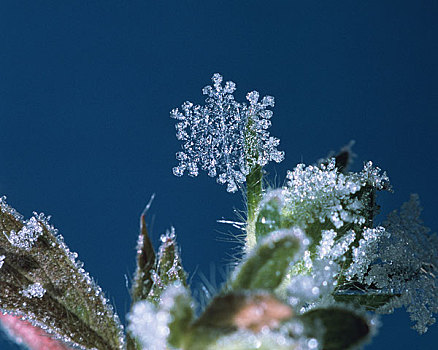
{"points": [[225, 138]]}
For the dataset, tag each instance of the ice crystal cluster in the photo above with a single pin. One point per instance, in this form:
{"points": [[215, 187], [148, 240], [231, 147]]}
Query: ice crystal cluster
{"points": [[150, 322], [317, 194], [26, 237], [400, 258], [35, 290], [224, 137]]}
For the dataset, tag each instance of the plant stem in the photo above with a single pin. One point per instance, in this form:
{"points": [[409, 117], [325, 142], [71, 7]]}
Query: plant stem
{"points": [[253, 197]]}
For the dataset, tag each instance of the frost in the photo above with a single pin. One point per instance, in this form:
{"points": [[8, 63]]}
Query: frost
{"points": [[224, 137], [150, 323], [35, 290], [2, 260], [321, 278], [27, 236], [401, 258], [321, 193]]}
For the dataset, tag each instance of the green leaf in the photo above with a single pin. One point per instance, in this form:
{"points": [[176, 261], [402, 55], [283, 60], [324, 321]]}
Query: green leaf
{"points": [[145, 264], [168, 268], [370, 300], [269, 216], [242, 311], [68, 303], [181, 313], [266, 265], [341, 328]]}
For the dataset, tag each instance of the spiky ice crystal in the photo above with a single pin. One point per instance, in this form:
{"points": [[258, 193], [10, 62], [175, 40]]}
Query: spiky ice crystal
{"points": [[224, 137]]}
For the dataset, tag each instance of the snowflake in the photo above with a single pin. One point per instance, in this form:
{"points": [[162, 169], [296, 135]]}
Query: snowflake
{"points": [[225, 138]]}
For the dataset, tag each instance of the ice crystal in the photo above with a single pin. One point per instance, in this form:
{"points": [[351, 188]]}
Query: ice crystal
{"points": [[319, 194], [2, 258], [401, 258], [27, 236], [323, 270], [34, 290], [224, 137]]}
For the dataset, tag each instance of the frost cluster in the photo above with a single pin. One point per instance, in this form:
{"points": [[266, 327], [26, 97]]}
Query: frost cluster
{"points": [[34, 290], [27, 236], [322, 270], [401, 258], [224, 137], [321, 193], [149, 323]]}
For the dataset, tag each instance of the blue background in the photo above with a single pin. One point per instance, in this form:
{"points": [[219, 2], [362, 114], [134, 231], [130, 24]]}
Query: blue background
{"points": [[85, 135]]}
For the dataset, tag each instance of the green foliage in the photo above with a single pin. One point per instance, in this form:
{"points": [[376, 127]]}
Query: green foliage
{"points": [[266, 265], [336, 327]]}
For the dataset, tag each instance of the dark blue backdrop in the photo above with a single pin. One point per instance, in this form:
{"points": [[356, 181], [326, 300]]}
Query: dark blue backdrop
{"points": [[86, 88]]}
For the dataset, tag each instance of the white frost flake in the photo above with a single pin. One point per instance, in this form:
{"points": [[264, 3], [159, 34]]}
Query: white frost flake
{"points": [[27, 236], [225, 138], [35, 290]]}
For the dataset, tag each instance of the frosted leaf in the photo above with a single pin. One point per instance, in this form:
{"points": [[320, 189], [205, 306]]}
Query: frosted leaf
{"points": [[225, 138], [35, 290], [401, 258], [322, 270], [319, 282], [75, 310], [27, 236], [319, 194], [2, 258]]}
